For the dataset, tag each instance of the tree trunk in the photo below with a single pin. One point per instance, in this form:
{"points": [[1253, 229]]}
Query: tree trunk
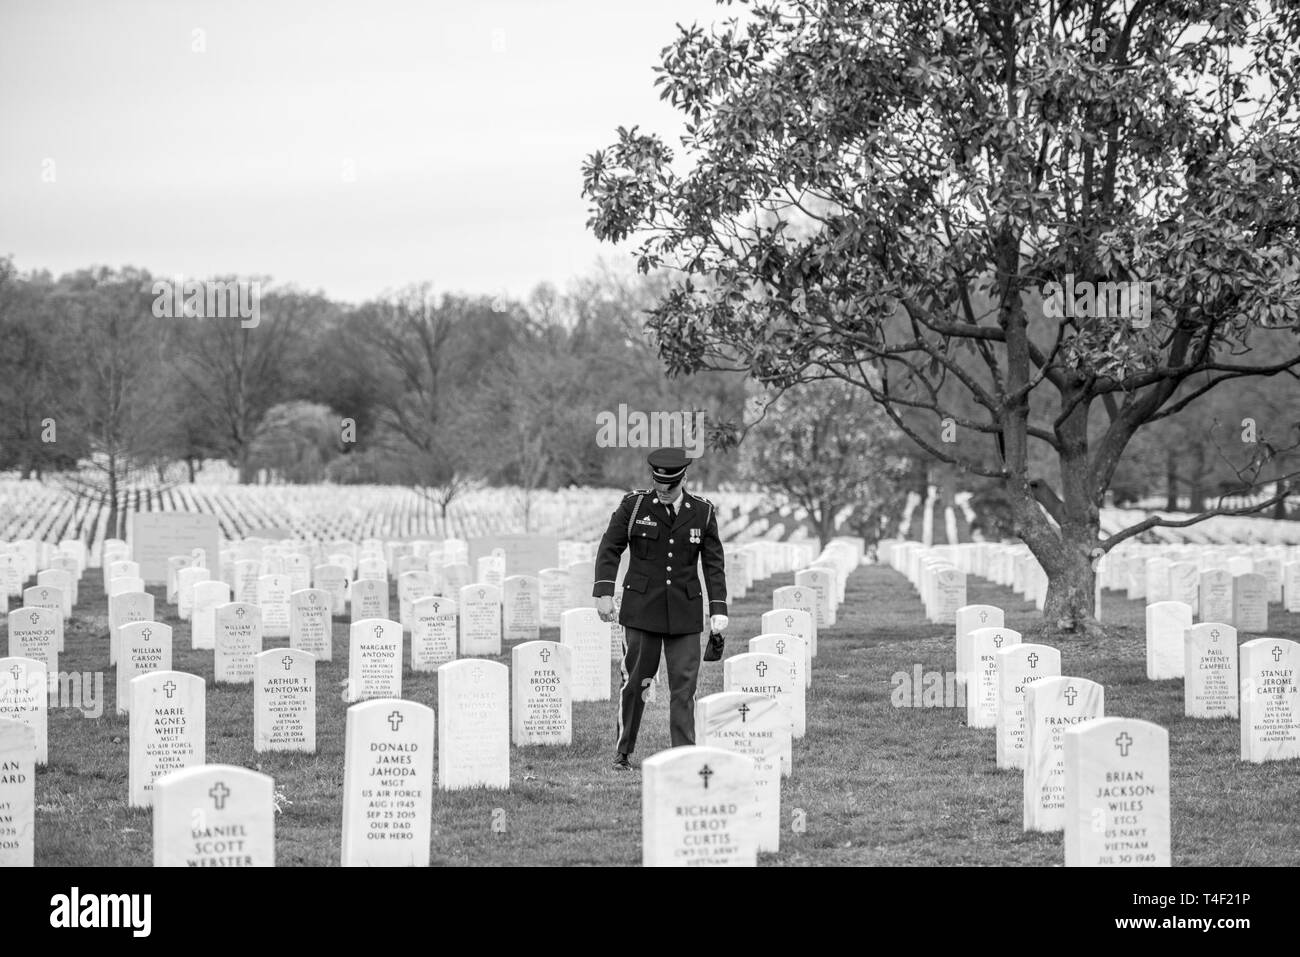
{"points": [[1279, 508], [825, 519], [189, 464], [1171, 480], [1067, 550], [247, 474]]}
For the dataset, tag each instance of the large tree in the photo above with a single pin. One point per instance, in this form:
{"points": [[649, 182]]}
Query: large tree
{"points": [[883, 192]]}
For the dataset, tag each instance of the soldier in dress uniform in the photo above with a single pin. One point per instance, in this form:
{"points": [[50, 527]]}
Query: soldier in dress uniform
{"points": [[669, 532]]}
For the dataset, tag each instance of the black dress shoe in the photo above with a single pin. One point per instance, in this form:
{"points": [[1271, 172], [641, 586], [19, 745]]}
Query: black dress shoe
{"points": [[621, 763]]}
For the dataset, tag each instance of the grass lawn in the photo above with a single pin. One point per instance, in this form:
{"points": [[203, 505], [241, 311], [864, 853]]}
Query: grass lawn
{"points": [[875, 784]]}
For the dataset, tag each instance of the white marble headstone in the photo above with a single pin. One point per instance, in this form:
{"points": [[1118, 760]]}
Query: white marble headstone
{"points": [[1210, 671], [311, 622], [284, 701], [698, 809], [582, 630], [17, 794], [214, 815], [168, 729], [542, 696], [473, 725], [1167, 623], [374, 659], [388, 784], [1117, 794], [1270, 700], [1051, 706]]}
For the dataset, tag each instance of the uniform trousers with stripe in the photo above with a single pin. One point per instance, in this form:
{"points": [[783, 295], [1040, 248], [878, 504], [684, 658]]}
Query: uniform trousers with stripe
{"points": [[641, 650]]}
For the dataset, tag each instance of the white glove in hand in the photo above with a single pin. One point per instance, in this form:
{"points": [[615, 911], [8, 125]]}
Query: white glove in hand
{"points": [[718, 623]]}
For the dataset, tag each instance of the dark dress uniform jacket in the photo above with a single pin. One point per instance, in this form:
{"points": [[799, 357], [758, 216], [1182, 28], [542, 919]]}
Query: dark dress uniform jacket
{"points": [[661, 590]]}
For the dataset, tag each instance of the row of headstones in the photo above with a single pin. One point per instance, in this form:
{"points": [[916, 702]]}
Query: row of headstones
{"points": [[168, 734], [718, 803], [291, 694], [1113, 804], [939, 572], [1219, 594], [1177, 573], [292, 687]]}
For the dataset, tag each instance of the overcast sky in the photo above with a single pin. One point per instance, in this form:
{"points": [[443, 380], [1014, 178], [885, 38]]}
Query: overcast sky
{"points": [[351, 146]]}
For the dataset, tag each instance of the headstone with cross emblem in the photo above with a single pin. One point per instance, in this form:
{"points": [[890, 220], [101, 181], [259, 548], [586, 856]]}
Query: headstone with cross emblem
{"points": [[17, 793], [968, 618], [13, 576], [792, 621], [788, 646], [1167, 623], [273, 593], [822, 583], [209, 595], [374, 659], [284, 701], [49, 598], [214, 815], [949, 594], [24, 697], [541, 674], [1250, 603], [756, 726], [34, 633], [388, 784], [298, 567], [982, 682], [311, 622], [1210, 670], [1117, 794], [334, 579], [62, 573], [145, 646], [168, 729], [800, 599], [123, 608], [369, 599], [124, 568], [521, 612], [239, 640], [773, 676], [434, 629], [554, 586], [473, 725], [582, 630], [480, 620], [698, 809], [1018, 668], [1270, 700], [1052, 705]]}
